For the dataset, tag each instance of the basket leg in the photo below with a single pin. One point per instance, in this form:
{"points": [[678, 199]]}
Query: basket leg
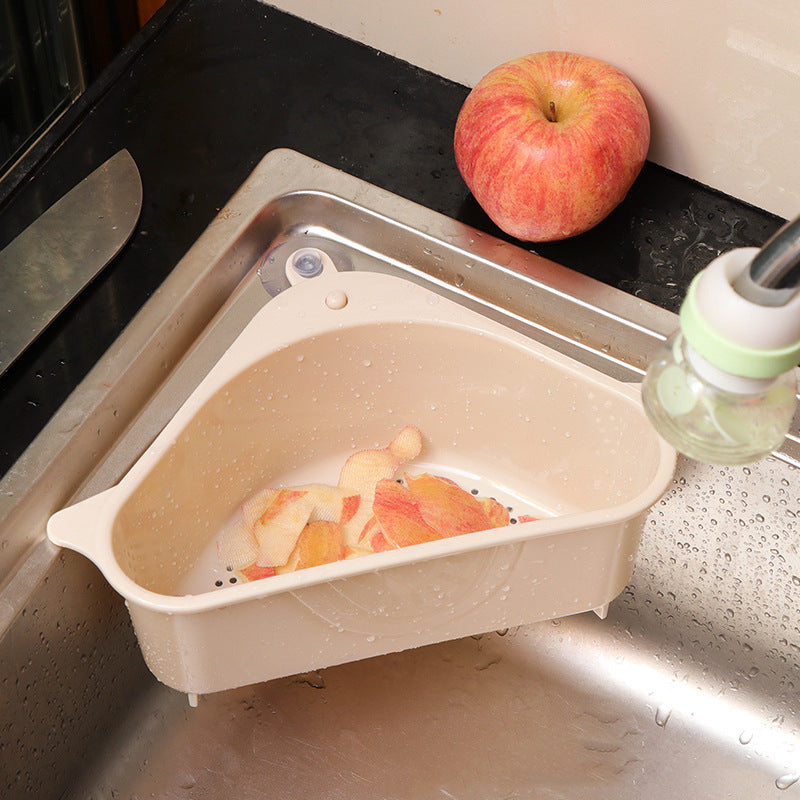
{"points": [[601, 611]]}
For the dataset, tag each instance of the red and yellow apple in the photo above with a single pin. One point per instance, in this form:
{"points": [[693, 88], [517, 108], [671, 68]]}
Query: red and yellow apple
{"points": [[550, 143]]}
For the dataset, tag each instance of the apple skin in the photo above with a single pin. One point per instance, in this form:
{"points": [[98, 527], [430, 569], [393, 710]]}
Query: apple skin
{"points": [[550, 143]]}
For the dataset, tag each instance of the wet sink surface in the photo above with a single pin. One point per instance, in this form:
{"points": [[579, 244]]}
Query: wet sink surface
{"points": [[689, 685], [670, 695]]}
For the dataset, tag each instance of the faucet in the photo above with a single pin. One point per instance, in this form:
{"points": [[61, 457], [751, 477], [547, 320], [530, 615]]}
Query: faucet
{"points": [[722, 388]]}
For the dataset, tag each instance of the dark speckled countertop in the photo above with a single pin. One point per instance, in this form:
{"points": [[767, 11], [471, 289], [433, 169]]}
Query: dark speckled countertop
{"points": [[209, 87]]}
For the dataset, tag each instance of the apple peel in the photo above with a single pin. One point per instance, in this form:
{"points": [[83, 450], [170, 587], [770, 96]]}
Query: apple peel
{"points": [[398, 514], [364, 469], [372, 537], [256, 573], [279, 527], [446, 507], [320, 542], [279, 530], [496, 513]]}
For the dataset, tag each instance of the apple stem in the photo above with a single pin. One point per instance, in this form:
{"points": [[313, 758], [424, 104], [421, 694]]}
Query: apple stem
{"points": [[551, 115]]}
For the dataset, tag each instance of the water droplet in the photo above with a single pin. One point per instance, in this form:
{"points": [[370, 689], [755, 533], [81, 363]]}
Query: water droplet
{"points": [[663, 714], [785, 781], [745, 737]]}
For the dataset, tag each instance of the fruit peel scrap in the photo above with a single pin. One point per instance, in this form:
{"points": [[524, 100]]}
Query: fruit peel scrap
{"points": [[320, 542], [445, 506], [399, 516], [279, 530], [364, 469], [279, 527]]}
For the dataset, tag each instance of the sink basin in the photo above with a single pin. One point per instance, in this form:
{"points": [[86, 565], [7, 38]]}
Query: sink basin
{"points": [[688, 686]]}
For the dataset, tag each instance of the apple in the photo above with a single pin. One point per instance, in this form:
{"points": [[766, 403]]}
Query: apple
{"points": [[550, 143]]}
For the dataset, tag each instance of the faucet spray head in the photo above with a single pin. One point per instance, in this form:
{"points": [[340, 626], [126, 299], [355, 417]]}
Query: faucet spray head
{"points": [[722, 388]]}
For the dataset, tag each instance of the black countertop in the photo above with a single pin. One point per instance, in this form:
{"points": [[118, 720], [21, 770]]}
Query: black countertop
{"points": [[211, 86]]}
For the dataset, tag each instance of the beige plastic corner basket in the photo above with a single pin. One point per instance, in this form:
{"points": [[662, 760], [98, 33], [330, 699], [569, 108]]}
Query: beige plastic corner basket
{"points": [[343, 361]]}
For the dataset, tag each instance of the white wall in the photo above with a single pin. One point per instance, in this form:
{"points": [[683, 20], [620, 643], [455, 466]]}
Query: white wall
{"points": [[721, 78]]}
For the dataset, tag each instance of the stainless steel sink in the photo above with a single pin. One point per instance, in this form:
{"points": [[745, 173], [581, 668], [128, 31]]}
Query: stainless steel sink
{"points": [[689, 687]]}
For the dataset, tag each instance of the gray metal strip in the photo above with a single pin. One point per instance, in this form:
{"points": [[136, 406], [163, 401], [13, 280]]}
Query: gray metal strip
{"points": [[56, 256]]}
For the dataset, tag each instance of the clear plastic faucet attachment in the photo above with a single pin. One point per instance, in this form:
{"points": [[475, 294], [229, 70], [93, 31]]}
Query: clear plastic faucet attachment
{"points": [[707, 422], [722, 388]]}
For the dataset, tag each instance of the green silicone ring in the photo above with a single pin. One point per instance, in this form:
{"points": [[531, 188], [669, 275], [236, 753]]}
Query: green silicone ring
{"points": [[737, 359]]}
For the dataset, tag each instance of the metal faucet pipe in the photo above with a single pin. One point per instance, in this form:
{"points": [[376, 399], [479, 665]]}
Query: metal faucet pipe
{"points": [[772, 278]]}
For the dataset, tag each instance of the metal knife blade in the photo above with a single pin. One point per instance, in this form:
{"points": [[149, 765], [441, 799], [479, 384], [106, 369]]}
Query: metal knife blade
{"points": [[54, 258]]}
